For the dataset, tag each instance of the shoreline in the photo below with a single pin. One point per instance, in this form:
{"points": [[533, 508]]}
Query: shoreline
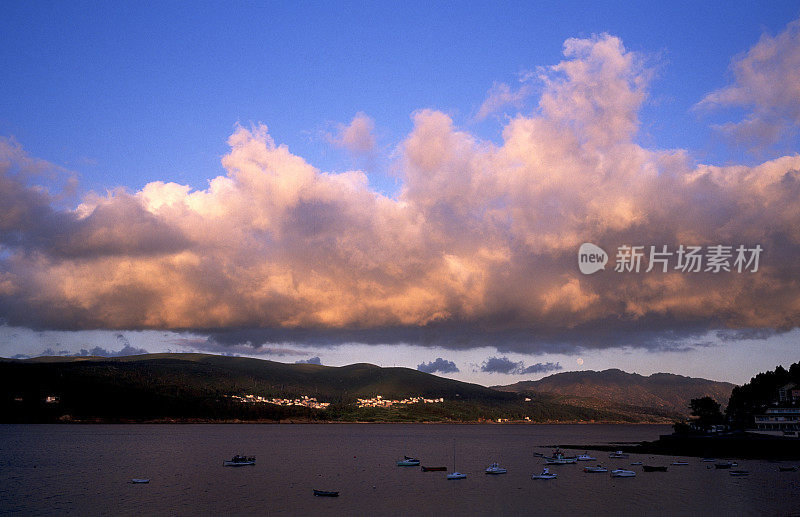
{"points": [[186, 421]]}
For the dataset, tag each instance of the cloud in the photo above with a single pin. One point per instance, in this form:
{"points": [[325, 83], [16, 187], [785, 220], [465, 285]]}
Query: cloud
{"points": [[509, 367], [501, 95], [477, 249], [767, 85], [439, 365], [357, 137], [310, 360]]}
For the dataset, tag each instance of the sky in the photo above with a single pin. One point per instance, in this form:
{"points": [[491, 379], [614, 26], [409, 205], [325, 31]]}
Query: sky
{"points": [[403, 185]]}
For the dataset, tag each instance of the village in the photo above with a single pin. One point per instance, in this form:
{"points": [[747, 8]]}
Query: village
{"points": [[379, 401], [304, 401]]}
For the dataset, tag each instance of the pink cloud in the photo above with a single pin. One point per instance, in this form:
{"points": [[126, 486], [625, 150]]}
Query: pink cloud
{"points": [[358, 136], [481, 240]]}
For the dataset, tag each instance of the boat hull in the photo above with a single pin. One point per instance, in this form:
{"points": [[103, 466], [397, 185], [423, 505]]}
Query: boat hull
{"points": [[434, 469], [326, 493], [238, 463]]}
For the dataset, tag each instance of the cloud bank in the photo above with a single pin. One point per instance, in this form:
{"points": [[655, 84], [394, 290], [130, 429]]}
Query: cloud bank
{"points": [[509, 367], [479, 247], [439, 365]]}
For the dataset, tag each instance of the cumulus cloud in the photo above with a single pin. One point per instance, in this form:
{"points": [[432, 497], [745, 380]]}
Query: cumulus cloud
{"points": [[501, 95], [439, 365], [767, 84], [509, 367], [478, 248], [310, 360], [358, 136]]}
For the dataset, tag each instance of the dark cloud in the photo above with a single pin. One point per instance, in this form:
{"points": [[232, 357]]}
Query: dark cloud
{"points": [[507, 366], [310, 360], [439, 365]]}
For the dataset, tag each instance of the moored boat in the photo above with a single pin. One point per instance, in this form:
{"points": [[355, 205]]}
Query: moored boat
{"points": [[558, 458], [408, 461], [240, 461], [139, 481], [739, 472], [622, 473], [456, 475], [326, 493], [726, 465], [433, 469], [635, 463], [546, 474], [585, 457], [618, 454], [653, 468], [598, 468], [494, 468], [680, 462]]}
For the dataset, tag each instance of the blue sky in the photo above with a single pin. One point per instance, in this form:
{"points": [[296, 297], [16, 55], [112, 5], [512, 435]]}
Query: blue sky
{"points": [[122, 96]]}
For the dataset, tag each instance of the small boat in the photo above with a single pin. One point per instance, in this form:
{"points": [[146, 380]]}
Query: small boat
{"points": [[408, 462], [494, 468], [585, 457], [739, 472], [139, 481], [558, 458], [546, 474], [618, 454], [326, 493], [598, 468], [725, 465], [787, 469], [240, 461], [652, 468], [622, 473], [433, 469], [708, 460], [680, 462], [456, 474], [635, 463]]}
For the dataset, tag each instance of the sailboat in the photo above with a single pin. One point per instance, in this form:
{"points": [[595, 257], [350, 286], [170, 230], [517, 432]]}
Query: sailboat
{"points": [[455, 474]]}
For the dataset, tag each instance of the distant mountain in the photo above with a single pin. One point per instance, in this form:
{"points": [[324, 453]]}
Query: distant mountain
{"points": [[615, 389], [199, 387]]}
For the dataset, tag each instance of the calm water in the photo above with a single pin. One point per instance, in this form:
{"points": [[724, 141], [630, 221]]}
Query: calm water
{"points": [[85, 470]]}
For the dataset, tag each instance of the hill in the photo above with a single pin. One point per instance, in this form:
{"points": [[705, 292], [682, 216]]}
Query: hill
{"points": [[617, 390], [202, 387]]}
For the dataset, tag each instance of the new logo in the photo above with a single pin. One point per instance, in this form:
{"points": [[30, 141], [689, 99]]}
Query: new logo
{"points": [[591, 258]]}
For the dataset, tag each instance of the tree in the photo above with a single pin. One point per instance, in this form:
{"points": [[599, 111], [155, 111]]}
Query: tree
{"points": [[707, 411]]}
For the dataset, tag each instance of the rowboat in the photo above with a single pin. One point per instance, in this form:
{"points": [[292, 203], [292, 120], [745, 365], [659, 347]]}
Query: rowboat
{"points": [[139, 481], [622, 473], [326, 493]]}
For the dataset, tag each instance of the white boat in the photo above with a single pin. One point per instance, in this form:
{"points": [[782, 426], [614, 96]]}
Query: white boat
{"points": [[139, 481], [585, 457], [546, 474], [558, 458], [455, 474], [622, 473], [680, 462], [240, 461], [598, 468], [618, 454], [494, 468], [708, 460], [408, 462]]}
